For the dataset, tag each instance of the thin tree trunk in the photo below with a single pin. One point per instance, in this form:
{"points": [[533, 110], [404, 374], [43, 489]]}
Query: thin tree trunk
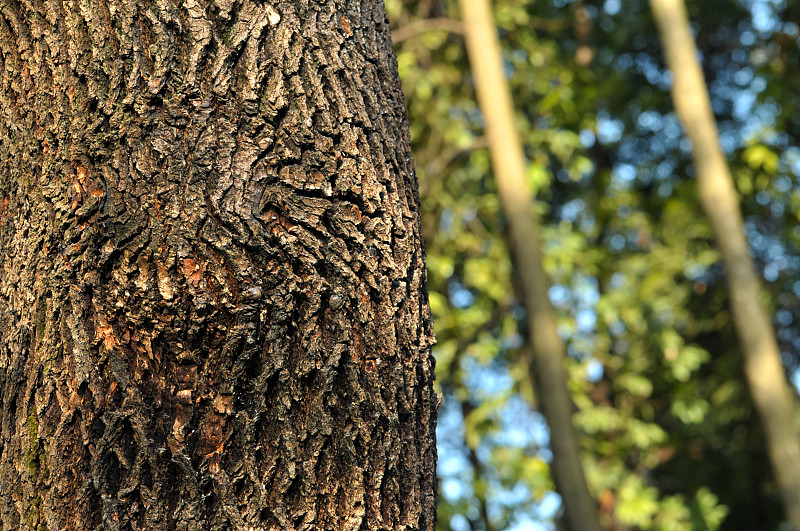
{"points": [[549, 353], [763, 368], [213, 303]]}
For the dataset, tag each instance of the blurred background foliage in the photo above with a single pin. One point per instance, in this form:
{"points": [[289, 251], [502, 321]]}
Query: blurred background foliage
{"points": [[669, 437]]}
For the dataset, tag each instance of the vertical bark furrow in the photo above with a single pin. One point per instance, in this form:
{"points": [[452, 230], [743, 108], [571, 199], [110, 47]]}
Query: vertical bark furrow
{"points": [[212, 299]]}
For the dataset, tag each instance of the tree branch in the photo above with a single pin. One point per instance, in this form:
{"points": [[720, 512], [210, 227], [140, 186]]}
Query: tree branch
{"points": [[427, 24]]}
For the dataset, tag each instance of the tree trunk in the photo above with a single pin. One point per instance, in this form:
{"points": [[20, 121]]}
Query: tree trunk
{"points": [[773, 398], [213, 300], [549, 353]]}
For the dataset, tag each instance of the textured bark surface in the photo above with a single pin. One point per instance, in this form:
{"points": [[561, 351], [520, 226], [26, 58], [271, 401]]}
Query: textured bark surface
{"points": [[213, 309]]}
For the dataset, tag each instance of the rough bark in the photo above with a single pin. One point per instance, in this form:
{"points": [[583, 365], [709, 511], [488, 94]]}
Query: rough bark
{"points": [[213, 300], [548, 351], [765, 374]]}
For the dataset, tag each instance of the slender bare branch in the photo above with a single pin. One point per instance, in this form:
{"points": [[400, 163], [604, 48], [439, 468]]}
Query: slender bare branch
{"points": [[762, 365], [549, 351], [426, 24]]}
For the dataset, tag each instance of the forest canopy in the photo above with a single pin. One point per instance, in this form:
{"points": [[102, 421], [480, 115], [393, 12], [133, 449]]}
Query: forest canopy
{"points": [[669, 436]]}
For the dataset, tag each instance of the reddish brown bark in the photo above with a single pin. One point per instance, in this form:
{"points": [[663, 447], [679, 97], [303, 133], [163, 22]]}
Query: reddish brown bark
{"points": [[213, 300]]}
